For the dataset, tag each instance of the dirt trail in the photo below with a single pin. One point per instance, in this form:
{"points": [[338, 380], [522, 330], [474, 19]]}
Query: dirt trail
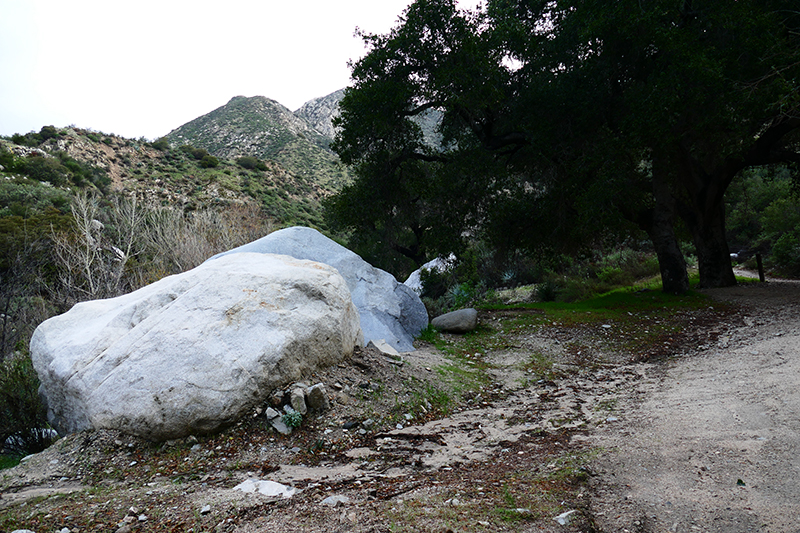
{"points": [[714, 445]]}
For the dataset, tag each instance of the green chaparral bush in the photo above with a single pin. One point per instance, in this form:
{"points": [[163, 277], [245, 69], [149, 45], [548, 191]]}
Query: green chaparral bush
{"points": [[161, 144], [786, 254], [209, 161], [23, 418], [251, 163]]}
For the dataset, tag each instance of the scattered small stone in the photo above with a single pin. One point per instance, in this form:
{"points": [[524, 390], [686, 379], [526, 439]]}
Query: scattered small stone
{"points": [[335, 501], [205, 509], [280, 426], [297, 399], [272, 413], [317, 397], [276, 399], [142, 518]]}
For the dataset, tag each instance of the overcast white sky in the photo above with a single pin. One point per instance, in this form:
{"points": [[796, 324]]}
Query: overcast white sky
{"points": [[143, 68]]}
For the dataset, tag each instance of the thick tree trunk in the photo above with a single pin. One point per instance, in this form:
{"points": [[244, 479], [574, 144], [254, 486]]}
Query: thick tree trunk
{"points": [[713, 254], [704, 214], [658, 222]]}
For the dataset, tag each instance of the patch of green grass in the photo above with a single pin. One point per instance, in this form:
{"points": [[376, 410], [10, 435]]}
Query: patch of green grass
{"points": [[431, 400], [570, 468], [477, 341], [460, 378], [430, 335], [9, 461], [511, 511], [651, 315]]}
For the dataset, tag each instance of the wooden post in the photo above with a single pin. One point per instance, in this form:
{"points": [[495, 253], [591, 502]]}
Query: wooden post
{"points": [[760, 268]]}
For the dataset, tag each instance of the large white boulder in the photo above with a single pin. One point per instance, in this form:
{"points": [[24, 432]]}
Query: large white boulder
{"points": [[389, 310], [414, 280], [193, 352]]}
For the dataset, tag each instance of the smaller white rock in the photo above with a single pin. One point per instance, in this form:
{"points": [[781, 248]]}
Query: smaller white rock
{"points": [[384, 347], [265, 487], [335, 501], [564, 518]]}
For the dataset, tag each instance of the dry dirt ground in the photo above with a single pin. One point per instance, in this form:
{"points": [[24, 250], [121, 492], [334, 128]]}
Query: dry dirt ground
{"points": [[502, 431], [713, 444]]}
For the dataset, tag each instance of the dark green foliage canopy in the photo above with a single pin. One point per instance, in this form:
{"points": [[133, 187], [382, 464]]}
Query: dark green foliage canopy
{"points": [[565, 119]]}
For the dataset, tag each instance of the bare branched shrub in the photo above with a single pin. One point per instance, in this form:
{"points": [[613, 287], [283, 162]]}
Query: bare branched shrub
{"points": [[179, 241], [91, 260], [141, 244]]}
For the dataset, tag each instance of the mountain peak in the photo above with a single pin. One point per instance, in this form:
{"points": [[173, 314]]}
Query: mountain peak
{"points": [[260, 127], [320, 112]]}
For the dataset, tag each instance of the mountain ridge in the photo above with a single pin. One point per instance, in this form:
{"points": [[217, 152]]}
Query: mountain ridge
{"points": [[263, 128]]}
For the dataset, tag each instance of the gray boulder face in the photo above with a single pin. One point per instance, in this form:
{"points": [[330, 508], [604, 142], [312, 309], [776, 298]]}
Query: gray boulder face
{"points": [[389, 310], [461, 321], [194, 352]]}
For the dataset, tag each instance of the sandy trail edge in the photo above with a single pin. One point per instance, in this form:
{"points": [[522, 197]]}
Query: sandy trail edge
{"points": [[715, 444]]}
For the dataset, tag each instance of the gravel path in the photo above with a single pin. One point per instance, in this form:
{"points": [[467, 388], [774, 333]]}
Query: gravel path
{"points": [[715, 444]]}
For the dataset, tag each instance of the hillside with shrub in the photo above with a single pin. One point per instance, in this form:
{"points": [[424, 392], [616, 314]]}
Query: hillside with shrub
{"points": [[263, 128]]}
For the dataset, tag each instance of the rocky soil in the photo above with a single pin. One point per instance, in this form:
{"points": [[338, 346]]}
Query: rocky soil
{"points": [[530, 424]]}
